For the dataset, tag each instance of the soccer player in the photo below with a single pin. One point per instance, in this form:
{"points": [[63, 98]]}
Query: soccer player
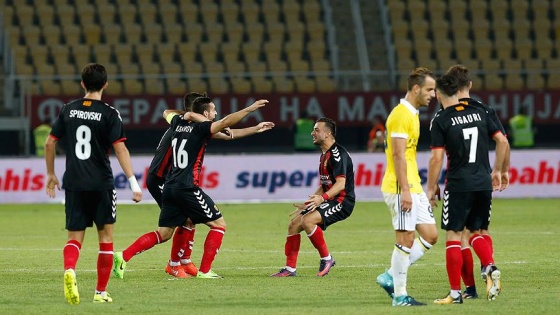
{"points": [[182, 196], [462, 74], [333, 201], [90, 128], [180, 264], [402, 191], [463, 132]]}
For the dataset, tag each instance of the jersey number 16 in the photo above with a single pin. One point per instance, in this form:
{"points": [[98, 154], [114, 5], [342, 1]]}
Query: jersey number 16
{"points": [[180, 155]]}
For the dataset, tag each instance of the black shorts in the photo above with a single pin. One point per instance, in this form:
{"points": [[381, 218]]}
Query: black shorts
{"points": [[332, 211], [470, 209], [155, 187], [180, 204], [84, 207]]}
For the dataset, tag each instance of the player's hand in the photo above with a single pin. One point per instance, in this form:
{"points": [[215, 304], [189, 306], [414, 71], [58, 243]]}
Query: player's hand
{"points": [[505, 180], [406, 201], [496, 180], [264, 126], [313, 202], [434, 195], [137, 196], [256, 105], [227, 132], [52, 183], [299, 208]]}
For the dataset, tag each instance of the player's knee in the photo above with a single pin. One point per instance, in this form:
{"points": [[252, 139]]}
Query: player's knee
{"points": [[165, 233]]}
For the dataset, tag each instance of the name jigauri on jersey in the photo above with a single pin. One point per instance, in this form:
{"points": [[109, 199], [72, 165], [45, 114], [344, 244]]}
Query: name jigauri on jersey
{"points": [[85, 115], [465, 119], [184, 129]]}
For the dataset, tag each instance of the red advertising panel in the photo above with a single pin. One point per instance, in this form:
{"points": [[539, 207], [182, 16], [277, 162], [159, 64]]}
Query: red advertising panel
{"points": [[348, 109]]}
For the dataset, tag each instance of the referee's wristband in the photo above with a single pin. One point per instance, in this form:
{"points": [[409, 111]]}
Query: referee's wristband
{"points": [[134, 184], [325, 197]]}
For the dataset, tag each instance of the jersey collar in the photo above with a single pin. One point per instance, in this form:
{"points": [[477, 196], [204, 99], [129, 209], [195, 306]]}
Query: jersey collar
{"points": [[409, 106]]}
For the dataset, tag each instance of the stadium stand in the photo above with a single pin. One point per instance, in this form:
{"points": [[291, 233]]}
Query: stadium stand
{"points": [[244, 46], [186, 34]]}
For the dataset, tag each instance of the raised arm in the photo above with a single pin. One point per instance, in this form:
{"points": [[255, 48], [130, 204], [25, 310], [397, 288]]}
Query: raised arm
{"points": [[234, 118]]}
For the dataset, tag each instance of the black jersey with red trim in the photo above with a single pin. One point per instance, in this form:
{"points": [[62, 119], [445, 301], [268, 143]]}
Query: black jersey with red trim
{"points": [[89, 127], [334, 163], [489, 110], [161, 163], [188, 145], [464, 132]]}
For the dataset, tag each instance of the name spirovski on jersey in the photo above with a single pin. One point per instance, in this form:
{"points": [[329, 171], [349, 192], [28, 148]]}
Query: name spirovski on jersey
{"points": [[184, 129], [459, 120], [85, 115]]}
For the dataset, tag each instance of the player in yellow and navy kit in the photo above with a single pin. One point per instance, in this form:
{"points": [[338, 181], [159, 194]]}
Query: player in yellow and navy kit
{"points": [[402, 191]]}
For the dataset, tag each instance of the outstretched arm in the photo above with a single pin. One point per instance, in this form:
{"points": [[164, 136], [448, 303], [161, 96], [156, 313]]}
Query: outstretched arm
{"points": [[245, 132], [234, 118]]}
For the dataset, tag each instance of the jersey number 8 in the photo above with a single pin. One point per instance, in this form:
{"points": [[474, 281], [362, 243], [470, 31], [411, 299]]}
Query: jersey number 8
{"points": [[83, 145]]}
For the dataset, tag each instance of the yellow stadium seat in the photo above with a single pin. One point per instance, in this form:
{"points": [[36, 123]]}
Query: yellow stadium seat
{"points": [[66, 15], [39, 55], [45, 14], [493, 82], [112, 34], [92, 34], [256, 66], [262, 85], [230, 13], [154, 86], [106, 13], [49, 87], [483, 48], [144, 52], [81, 55], [150, 68], [132, 87], [60, 54], [197, 84], [51, 34], [234, 32], [165, 52], [24, 14], [214, 33], [472, 64], [316, 31], [147, 13], [320, 65], [514, 82], [535, 81], [299, 65], [187, 51], [312, 10], [553, 81], [32, 35], [123, 53], [491, 65], [194, 32], [115, 88], [277, 66], [102, 53], [153, 33], [234, 66], [524, 48], [283, 84], [129, 68], [132, 33], [503, 48], [127, 13], [176, 86], [70, 87], [250, 12], [65, 69], [72, 34], [304, 84], [255, 33], [533, 65], [241, 86], [325, 84], [24, 69], [215, 67], [85, 13], [217, 85], [173, 33]]}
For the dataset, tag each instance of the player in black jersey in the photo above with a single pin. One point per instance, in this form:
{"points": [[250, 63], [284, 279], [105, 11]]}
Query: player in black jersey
{"points": [[182, 196], [90, 128], [333, 200], [463, 133], [180, 264], [462, 74]]}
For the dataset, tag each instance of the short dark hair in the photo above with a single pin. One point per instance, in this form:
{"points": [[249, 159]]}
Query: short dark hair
{"points": [[448, 84], [329, 123], [94, 77], [201, 104], [462, 74], [417, 77], [189, 98]]}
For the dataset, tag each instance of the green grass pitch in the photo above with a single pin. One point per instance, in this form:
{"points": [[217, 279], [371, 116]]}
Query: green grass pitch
{"points": [[525, 233]]}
